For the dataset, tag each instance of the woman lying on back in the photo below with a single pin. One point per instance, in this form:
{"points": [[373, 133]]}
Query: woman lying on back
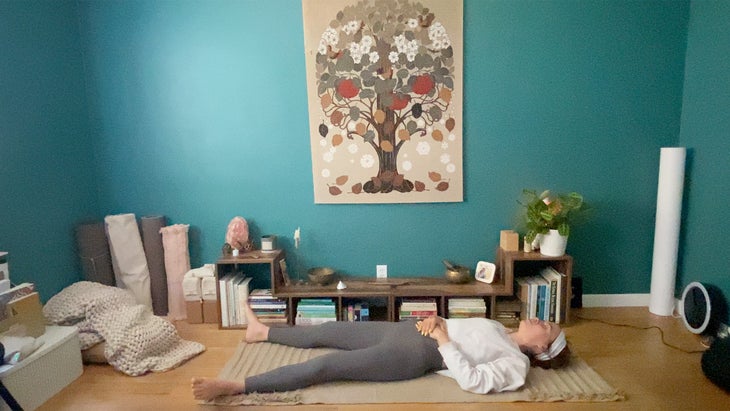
{"points": [[480, 354]]}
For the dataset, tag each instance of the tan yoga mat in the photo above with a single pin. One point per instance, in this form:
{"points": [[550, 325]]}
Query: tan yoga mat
{"points": [[577, 382]]}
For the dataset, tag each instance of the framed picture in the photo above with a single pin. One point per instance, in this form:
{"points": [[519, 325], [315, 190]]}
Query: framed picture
{"points": [[384, 81]]}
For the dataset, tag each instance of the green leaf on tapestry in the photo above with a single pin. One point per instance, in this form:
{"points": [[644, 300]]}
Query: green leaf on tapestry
{"points": [[412, 127], [367, 93], [435, 112], [345, 63], [354, 113]]}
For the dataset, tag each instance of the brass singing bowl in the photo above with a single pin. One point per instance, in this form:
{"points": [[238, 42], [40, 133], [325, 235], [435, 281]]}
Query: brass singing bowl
{"points": [[458, 274], [321, 275]]}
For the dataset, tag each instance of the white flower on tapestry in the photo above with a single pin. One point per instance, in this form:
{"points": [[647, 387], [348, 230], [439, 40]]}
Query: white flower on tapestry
{"points": [[329, 39], [451, 168], [393, 57], [374, 57], [326, 172], [439, 37], [385, 75], [423, 148], [357, 50], [367, 161], [351, 27]]}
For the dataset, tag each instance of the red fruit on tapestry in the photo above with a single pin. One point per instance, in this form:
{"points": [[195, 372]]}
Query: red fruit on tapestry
{"points": [[423, 84], [347, 89]]}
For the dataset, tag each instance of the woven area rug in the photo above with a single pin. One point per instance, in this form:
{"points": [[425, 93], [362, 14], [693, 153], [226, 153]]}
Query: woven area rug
{"points": [[576, 382]]}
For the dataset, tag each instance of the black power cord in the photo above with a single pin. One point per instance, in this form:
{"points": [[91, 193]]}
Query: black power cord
{"points": [[636, 327]]}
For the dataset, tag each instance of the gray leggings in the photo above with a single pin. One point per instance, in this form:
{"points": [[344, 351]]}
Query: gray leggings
{"points": [[371, 351]]}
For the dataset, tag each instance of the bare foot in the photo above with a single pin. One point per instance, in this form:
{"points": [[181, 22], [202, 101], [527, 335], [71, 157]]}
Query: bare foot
{"points": [[209, 388], [256, 331]]}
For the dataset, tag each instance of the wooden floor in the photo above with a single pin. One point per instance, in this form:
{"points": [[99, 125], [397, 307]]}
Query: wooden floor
{"points": [[652, 375]]}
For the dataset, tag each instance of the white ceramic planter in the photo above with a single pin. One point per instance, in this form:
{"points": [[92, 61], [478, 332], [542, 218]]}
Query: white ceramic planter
{"points": [[553, 244]]}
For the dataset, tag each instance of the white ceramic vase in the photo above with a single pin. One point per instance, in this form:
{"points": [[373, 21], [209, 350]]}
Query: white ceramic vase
{"points": [[552, 244]]}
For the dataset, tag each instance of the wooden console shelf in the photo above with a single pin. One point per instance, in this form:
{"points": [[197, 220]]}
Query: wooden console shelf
{"points": [[509, 265], [391, 290]]}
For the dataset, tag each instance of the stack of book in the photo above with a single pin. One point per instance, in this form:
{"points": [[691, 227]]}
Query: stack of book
{"points": [[417, 308], [356, 312], [313, 311], [544, 296], [467, 308], [508, 312], [233, 290], [267, 308]]}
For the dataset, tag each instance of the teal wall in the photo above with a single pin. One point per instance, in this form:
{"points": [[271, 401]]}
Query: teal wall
{"points": [[197, 110], [47, 175], [706, 133]]}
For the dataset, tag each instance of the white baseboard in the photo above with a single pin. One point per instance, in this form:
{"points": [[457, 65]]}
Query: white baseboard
{"points": [[624, 300], [616, 300]]}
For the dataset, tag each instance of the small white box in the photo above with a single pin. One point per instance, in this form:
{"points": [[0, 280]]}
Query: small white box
{"points": [[47, 371]]}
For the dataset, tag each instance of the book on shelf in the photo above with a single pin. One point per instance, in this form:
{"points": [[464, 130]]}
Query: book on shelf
{"points": [[313, 311], [234, 289], [509, 304], [266, 304], [467, 308], [540, 285], [560, 281], [417, 308], [223, 293], [240, 290], [267, 308], [552, 284], [261, 294], [356, 312], [543, 295]]}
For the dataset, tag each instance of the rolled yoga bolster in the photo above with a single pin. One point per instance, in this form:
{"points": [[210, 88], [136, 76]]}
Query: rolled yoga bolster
{"points": [[93, 249], [152, 241], [177, 263], [128, 259]]}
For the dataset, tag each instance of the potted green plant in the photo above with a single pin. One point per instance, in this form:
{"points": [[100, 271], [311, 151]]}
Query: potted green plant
{"points": [[549, 216]]}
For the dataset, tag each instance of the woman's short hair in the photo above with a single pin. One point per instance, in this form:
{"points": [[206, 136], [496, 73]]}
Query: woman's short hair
{"points": [[559, 361]]}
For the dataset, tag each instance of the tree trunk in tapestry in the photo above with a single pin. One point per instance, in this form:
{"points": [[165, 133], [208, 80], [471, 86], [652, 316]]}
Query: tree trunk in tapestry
{"points": [[385, 78]]}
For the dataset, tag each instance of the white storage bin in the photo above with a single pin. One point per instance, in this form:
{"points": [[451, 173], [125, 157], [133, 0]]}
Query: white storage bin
{"points": [[47, 371]]}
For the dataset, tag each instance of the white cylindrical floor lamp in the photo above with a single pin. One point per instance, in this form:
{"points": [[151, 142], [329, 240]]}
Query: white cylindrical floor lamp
{"points": [[667, 229]]}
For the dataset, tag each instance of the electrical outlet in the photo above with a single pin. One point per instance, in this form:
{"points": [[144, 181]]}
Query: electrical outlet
{"points": [[381, 271]]}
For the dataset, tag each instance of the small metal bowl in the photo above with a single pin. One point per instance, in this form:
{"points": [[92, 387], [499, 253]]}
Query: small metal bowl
{"points": [[458, 274], [321, 275]]}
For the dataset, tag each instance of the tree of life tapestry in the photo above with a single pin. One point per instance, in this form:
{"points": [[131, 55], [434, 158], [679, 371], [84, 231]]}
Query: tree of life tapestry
{"points": [[384, 80]]}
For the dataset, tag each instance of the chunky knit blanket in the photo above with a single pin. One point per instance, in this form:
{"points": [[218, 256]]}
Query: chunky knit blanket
{"points": [[136, 340]]}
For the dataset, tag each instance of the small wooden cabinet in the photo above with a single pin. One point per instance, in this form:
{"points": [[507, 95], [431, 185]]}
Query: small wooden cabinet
{"points": [[513, 264], [227, 264]]}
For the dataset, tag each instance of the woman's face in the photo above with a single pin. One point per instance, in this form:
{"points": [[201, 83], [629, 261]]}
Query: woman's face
{"points": [[540, 333]]}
